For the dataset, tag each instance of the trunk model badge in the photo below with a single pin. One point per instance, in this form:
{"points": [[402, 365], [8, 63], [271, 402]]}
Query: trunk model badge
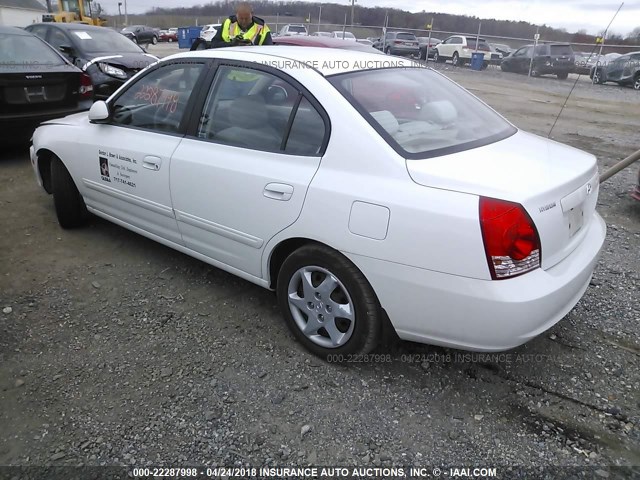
{"points": [[546, 207], [589, 189]]}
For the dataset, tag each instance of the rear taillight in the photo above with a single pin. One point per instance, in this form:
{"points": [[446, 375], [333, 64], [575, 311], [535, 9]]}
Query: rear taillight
{"points": [[397, 42], [510, 238], [86, 86]]}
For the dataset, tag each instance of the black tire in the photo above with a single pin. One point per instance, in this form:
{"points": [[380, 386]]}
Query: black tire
{"points": [[534, 72], [636, 82], [437, 58], [485, 65], [423, 54], [154, 40], [70, 208], [455, 60], [362, 333], [503, 67], [597, 76], [387, 50], [562, 76]]}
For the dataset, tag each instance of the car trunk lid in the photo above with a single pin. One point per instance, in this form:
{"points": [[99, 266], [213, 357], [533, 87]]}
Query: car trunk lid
{"points": [[34, 89], [556, 184]]}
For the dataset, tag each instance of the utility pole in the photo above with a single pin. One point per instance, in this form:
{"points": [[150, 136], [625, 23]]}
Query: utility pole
{"points": [[353, 3], [126, 16], [319, 17]]}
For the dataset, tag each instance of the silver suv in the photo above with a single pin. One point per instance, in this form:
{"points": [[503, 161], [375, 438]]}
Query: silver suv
{"points": [[399, 43]]}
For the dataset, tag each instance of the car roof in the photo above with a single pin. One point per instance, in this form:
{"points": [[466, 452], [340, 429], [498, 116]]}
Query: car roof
{"points": [[72, 26], [314, 41], [326, 61], [14, 31]]}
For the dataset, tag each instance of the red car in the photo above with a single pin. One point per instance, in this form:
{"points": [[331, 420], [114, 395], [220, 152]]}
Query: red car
{"points": [[167, 36], [327, 42]]}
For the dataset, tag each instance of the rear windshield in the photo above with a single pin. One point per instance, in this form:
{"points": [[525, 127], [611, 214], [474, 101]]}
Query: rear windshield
{"points": [[561, 50], [297, 28], [482, 43], [406, 36], [421, 113], [26, 50]]}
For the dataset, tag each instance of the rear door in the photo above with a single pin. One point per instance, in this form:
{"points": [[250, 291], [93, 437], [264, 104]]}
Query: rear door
{"points": [[243, 175], [615, 68]]}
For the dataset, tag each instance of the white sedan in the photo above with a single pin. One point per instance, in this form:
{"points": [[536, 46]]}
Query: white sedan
{"points": [[363, 191]]}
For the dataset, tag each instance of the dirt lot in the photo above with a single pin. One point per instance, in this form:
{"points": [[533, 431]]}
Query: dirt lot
{"points": [[116, 350]]}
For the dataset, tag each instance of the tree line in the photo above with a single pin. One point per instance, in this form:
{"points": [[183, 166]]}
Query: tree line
{"points": [[370, 16]]}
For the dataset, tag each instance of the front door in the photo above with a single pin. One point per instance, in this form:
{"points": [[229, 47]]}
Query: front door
{"points": [[243, 175], [127, 160]]}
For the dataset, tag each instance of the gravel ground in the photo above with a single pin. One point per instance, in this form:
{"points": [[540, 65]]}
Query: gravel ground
{"points": [[115, 350]]}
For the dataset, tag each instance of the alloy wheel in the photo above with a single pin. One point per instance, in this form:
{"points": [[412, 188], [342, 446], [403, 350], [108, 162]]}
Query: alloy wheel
{"points": [[321, 306]]}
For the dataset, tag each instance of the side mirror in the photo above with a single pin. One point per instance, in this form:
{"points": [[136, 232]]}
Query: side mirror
{"points": [[67, 50], [99, 112]]}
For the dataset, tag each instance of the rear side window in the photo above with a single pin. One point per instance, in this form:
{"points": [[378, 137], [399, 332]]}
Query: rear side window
{"points": [[561, 50], [26, 50]]}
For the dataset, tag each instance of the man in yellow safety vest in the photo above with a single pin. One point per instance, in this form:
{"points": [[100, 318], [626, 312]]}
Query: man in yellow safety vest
{"points": [[243, 28]]}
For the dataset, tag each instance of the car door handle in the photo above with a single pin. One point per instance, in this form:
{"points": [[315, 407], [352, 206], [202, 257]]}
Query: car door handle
{"points": [[152, 163], [278, 191]]}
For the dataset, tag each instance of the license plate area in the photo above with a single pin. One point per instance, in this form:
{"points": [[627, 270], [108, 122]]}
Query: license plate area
{"points": [[575, 217]]}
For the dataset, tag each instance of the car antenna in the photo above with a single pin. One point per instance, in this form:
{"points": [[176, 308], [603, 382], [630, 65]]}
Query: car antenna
{"points": [[564, 104]]}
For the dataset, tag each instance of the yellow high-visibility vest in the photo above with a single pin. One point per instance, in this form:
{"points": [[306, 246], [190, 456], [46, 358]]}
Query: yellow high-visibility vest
{"points": [[231, 30]]}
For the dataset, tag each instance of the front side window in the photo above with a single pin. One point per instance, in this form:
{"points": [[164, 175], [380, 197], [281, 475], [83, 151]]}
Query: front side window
{"points": [[158, 100], [253, 109], [421, 114]]}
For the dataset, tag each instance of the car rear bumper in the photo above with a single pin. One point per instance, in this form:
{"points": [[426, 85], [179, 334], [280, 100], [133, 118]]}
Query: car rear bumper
{"points": [[482, 315], [399, 50]]}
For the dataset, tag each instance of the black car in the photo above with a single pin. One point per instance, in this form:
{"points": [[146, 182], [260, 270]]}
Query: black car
{"points": [[36, 84], [430, 43], [624, 70], [108, 57], [549, 58], [141, 34]]}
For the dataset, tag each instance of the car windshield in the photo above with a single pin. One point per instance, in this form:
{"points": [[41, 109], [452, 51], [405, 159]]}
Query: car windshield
{"points": [[421, 113], [103, 40], [297, 29], [340, 34], [26, 50]]}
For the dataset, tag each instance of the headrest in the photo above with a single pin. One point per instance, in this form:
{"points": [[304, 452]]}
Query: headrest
{"points": [[440, 111], [386, 120], [248, 112]]}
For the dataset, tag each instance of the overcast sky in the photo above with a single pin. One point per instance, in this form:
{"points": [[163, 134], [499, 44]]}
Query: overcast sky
{"points": [[592, 15]]}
